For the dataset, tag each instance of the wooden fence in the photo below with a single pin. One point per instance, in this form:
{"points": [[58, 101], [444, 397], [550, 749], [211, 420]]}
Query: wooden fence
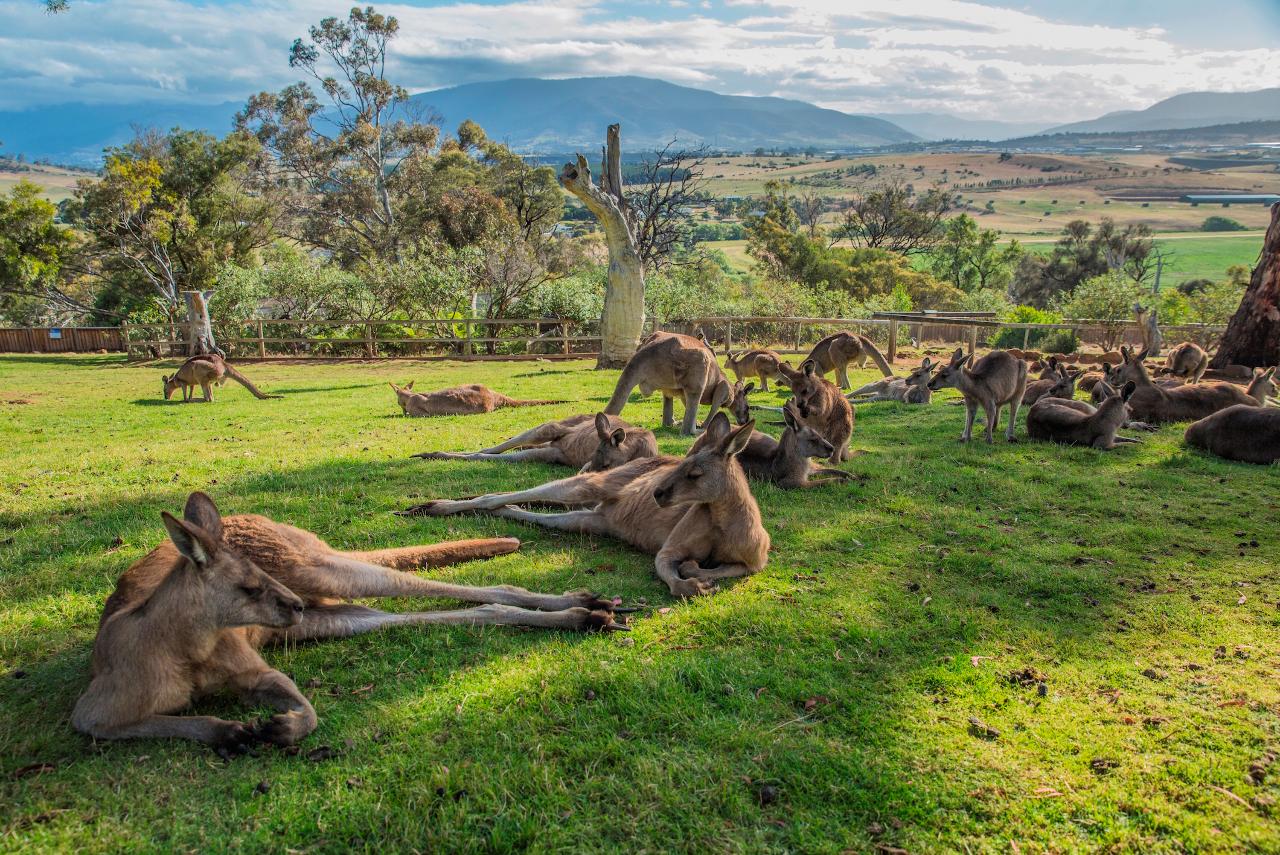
{"points": [[60, 339]]}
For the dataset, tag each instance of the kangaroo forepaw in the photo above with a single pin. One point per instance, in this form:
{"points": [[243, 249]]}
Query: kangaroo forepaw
{"points": [[284, 728], [602, 621], [691, 587], [235, 739]]}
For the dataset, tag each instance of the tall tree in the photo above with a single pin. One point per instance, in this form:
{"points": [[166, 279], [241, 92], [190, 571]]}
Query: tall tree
{"points": [[891, 216], [971, 259], [1252, 336], [33, 250]]}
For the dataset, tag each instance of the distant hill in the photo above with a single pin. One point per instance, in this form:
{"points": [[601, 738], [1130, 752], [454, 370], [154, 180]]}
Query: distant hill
{"points": [[554, 116], [944, 126], [1189, 110], [1241, 133]]}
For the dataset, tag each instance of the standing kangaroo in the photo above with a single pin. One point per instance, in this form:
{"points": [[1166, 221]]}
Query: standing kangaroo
{"points": [[587, 443], [760, 363], [1076, 423], [681, 367], [187, 620], [820, 403], [784, 461], [1240, 432], [835, 352], [205, 371], [994, 380], [1156, 405], [696, 514], [1188, 361], [456, 400]]}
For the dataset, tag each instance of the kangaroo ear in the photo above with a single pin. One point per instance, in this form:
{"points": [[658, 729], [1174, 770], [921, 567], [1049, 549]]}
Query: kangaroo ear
{"points": [[789, 416], [616, 438], [1053, 362], [393, 386], [201, 511], [809, 368], [749, 388], [718, 427], [957, 357], [737, 440], [927, 364], [1128, 390], [602, 425], [968, 357], [193, 542], [1141, 356], [409, 385]]}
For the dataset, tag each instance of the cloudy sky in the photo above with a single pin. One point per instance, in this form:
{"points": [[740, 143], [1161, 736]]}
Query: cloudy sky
{"points": [[1023, 60]]}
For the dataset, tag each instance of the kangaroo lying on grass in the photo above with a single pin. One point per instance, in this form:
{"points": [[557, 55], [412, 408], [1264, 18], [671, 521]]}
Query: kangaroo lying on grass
{"points": [[785, 461], [696, 514], [1157, 405], [682, 367], [205, 371], [820, 404], [1262, 388], [760, 363], [1076, 423], [1188, 361], [187, 620], [912, 389], [836, 351], [1246, 433], [456, 400], [1061, 383], [587, 443], [995, 380]]}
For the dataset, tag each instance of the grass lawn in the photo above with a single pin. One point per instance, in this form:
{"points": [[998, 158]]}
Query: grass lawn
{"points": [[1193, 256], [823, 705]]}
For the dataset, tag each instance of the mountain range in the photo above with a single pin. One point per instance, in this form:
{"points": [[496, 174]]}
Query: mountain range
{"points": [[1188, 110]]}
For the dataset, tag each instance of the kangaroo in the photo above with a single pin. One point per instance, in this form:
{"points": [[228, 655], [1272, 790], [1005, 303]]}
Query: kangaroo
{"points": [[835, 352], [820, 403], [760, 363], [587, 443], [696, 514], [187, 620], [681, 366], [912, 389], [205, 371], [1157, 405], [1076, 423], [1188, 360], [1262, 388], [1061, 385], [783, 461], [456, 400], [994, 380], [1241, 432]]}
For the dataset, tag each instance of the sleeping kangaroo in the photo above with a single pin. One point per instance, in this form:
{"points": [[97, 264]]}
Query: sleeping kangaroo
{"points": [[186, 621], [205, 371], [456, 400], [587, 443], [696, 514]]}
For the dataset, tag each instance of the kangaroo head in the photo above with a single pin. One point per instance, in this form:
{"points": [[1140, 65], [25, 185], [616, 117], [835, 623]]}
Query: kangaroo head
{"points": [[920, 376], [738, 402], [1064, 384], [1264, 384], [1050, 371], [611, 452], [949, 374], [707, 470], [403, 394], [235, 591], [806, 387], [809, 443], [1132, 367], [170, 383]]}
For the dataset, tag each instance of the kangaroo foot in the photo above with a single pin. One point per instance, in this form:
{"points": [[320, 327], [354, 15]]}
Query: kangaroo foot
{"points": [[433, 508], [598, 602], [235, 739], [285, 728], [600, 621]]}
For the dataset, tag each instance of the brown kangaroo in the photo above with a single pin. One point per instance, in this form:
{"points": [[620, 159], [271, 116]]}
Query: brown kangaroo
{"points": [[681, 367], [1188, 361], [1241, 432], [760, 363], [785, 461], [994, 380], [186, 621], [456, 400], [835, 352], [1062, 384], [912, 389], [823, 408], [1076, 423], [205, 371], [1262, 388], [696, 514], [1157, 405], [587, 443]]}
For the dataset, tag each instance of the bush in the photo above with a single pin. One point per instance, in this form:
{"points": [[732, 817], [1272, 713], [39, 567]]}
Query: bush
{"points": [[1059, 341], [1025, 315], [1222, 224]]}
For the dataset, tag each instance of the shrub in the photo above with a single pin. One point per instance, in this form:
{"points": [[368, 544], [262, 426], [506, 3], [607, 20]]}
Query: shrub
{"points": [[1060, 341], [1222, 224], [1025, 315]]}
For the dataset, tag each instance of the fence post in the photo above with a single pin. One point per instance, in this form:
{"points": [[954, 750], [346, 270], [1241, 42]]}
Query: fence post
{"points": [[466, 340], [798, 328], [564, 333], [893, 340], [124, 338], [369, 347], [973, 338], [262, 345]]}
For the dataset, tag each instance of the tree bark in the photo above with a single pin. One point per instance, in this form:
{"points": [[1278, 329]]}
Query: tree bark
{"points": [[1252, 337], [622, 322], [199, 330]]}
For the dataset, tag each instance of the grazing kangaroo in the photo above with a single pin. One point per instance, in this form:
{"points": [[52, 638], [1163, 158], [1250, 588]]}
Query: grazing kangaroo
{"points": [[205, 371], [1062, 384], [587, 443], [784, 461], [1157, 405], [836, 351], [187, 620], [760, 363], [820, 403], [1241, 432], [696, 514], [994, 380], [1076, 423], [1188, 361], [456, 400], [682, 367]]}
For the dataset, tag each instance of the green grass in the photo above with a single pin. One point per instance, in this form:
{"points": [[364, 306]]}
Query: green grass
{"points": [[844, 675], [1196, 257]]}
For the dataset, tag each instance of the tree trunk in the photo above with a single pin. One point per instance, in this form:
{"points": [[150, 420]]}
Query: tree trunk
{"points": [[199, 330], [1253, 334], [622, 322]]}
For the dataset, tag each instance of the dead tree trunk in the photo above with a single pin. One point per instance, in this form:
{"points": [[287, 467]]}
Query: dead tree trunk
{"points": [[199, 329], [1252, 337], [622, 322]]}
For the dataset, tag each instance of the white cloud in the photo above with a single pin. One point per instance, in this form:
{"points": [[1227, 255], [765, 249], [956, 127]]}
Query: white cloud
{"points": [[859, 55]]}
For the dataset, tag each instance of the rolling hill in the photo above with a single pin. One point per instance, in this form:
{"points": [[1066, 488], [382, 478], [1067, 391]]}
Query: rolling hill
{"points": [[945, 126], [1189, 110]]}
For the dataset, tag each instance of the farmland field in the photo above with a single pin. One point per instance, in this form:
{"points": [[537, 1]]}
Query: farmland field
{"points": [[967, 648]]}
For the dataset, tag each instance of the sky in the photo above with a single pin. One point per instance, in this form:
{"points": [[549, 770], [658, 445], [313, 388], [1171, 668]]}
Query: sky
{"points": [[1048, 61]]}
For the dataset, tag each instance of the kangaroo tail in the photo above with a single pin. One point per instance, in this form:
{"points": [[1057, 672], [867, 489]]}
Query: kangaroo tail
{"points": [[244, 381], [438, 554], [874, 352]]}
